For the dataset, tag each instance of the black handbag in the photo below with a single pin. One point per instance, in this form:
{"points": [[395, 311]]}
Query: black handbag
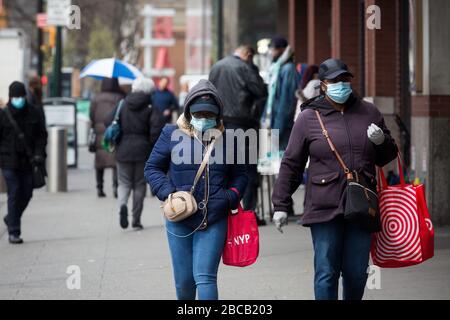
{"points": [[37, 169], [92, 141], [361, 202]]}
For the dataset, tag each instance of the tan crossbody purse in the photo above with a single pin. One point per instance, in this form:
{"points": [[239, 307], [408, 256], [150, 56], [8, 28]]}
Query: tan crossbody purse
{"points": [[181, 205]]}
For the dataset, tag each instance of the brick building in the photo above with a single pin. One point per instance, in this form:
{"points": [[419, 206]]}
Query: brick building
{"points": [[403, 67]]}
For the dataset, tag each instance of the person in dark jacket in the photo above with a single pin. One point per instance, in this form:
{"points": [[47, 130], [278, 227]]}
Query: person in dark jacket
{"points": [[239, 86], [283, 82], [197, 243], [360, 135], [101, 107], [242, 89], [15, 160], [141, 125], [165, 100]]}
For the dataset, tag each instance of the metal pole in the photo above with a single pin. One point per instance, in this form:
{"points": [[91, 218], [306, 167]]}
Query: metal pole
{"points": [[57, 160], [219, 29], [57, 64]]}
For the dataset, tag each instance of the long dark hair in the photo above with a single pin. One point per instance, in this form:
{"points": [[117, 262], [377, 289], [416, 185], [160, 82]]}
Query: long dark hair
{"points": [[111, 85]]}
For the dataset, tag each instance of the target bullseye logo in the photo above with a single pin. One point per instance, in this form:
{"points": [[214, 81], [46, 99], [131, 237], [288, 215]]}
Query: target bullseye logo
{"points": [[399, 238]]}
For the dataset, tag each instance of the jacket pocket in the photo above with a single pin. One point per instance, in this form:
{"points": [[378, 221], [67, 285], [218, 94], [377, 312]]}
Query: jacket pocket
{"points": [[325, 191]]}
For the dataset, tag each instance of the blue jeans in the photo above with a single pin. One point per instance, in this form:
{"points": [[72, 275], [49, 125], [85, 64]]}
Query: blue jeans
{"points": [[20, 191], [196, 259], [340, 247]]}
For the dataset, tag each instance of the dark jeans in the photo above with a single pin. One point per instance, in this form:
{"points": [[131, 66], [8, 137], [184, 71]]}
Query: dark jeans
{"points": [[99, 173], [196, 259], [20, 191], [340, 247]]}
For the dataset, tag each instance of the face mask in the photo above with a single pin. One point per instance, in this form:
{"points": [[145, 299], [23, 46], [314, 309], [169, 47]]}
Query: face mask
{"points": [[339, 92], [18, 103], [203, 124]]}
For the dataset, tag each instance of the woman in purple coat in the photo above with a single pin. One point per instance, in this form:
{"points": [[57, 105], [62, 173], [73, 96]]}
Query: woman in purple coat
{"points": [[358, 130]]}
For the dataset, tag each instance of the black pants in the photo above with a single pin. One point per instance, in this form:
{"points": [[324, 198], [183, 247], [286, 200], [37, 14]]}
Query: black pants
{"points": [[20, 191], [99, 173], [250, 196]]}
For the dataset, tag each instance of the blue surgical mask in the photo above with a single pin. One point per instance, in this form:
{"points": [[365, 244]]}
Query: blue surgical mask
{"points": [[203, 124], [339, 92], [18, 103]]}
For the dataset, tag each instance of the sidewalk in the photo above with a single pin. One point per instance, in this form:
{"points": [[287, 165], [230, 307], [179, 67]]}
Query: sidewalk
{"points": [[78, 229]]}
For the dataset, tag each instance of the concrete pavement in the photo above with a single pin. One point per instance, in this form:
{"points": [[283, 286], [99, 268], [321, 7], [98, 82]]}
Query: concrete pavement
{"points": [[77, 229]]}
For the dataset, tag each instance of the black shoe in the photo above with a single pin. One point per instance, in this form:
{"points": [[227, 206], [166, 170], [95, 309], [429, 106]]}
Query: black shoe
{"points": [[137, 226], [124, 217], [15, 239], [116, 195], [100, 193], [261, 222]]}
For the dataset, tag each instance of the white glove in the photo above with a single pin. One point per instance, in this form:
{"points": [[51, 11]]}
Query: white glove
{"points": [[280, 219], [375, 134]]}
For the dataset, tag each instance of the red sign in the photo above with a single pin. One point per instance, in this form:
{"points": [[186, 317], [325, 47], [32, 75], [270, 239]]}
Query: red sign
{"points": [[41, 20]]}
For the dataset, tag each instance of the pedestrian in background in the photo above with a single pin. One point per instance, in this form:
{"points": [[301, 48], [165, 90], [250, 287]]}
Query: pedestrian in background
{"points": [[283, 81], [358, 130], [183, 94], [165, 100], [22, 131], [309, 87], [240, 86], [102, 105], [141, 125], [196, 243]]}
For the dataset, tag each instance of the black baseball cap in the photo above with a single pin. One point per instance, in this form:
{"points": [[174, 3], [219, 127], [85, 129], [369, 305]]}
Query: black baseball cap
{"points": [[204, 103], [278, 42], [332, 68]]}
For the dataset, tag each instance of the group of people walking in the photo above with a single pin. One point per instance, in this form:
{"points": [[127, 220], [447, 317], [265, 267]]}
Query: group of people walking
{"points": [[309, 111], [235, 97]]}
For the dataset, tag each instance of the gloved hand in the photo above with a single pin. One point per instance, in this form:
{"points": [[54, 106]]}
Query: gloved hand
{"points": [[38, 160], [375, 134], [280, 219]]}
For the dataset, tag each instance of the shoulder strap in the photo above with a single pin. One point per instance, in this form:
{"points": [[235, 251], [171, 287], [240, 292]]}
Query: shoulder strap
{"points": [[333, 148], [203, 164], [19, 132], [119, 109]]}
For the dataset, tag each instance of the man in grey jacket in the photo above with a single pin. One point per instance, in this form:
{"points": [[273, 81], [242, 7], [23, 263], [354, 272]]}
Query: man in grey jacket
{"points": [[243, 92]]}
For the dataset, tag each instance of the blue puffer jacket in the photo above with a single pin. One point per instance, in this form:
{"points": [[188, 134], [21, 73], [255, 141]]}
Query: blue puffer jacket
{"points": [[166, 174]]}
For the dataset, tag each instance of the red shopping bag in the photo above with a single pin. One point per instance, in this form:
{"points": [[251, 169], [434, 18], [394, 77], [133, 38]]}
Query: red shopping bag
{"points": [[407, 236], [242, 245]]}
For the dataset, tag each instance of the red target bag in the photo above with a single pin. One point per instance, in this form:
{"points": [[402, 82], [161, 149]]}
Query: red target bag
{"points": [[242, 244], [407, 236]]}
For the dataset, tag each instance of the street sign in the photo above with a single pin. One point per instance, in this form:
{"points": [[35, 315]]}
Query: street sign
{"points": [[41, 20], [58, 12]]}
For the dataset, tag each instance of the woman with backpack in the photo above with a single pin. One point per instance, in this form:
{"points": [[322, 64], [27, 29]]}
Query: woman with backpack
{"points": [[140, 125]]}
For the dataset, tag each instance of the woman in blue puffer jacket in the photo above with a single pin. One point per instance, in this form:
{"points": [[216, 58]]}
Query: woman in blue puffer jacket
{"points": [[196, 246]]}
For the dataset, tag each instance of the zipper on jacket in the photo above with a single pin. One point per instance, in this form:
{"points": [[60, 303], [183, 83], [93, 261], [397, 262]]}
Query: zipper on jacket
{"points": [[349, 142]]}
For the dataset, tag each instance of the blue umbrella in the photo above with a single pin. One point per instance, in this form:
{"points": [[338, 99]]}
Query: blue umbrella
{"points": [[110, 68]]}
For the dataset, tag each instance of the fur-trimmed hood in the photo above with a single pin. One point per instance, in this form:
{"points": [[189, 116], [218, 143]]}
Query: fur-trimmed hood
{"points": [[204, 87]]}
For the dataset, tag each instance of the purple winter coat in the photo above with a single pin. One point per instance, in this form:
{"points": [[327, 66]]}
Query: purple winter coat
{"points": [[324, 198]]}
